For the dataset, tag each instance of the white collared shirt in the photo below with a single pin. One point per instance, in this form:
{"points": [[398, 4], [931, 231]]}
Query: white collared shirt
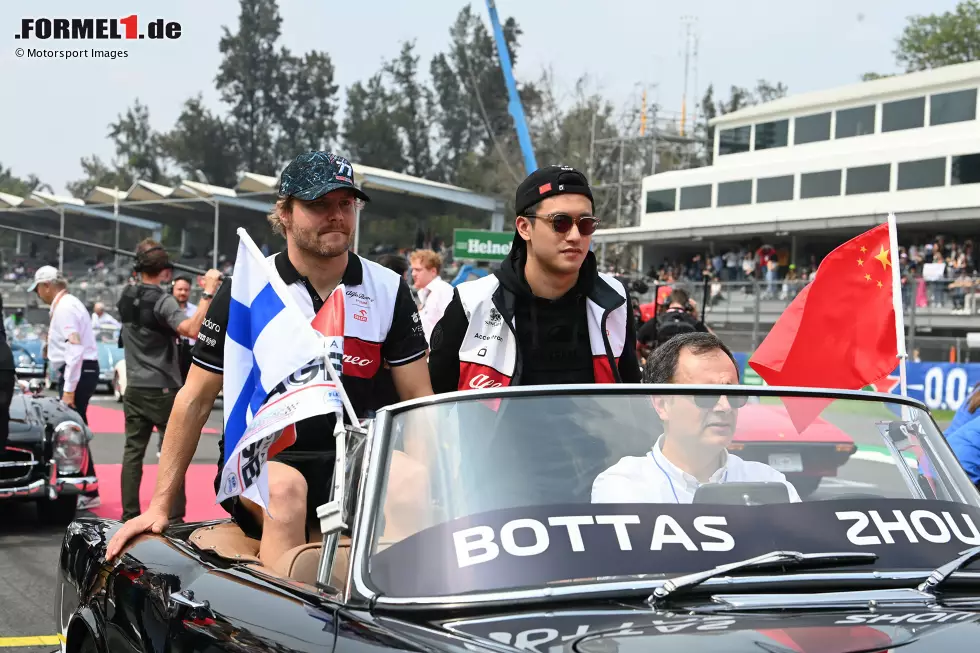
{"points": [[435, 298], [654, 479], [68, 316]]}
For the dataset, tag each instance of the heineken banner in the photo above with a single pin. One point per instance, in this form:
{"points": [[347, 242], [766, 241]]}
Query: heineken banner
{"points": [[481, 244]]}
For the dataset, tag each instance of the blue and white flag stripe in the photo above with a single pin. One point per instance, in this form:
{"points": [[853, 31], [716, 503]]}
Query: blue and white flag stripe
{"points": [[267, 340]]}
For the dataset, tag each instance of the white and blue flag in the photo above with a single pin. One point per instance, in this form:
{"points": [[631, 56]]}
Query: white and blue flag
{"points": [[274, 373]]}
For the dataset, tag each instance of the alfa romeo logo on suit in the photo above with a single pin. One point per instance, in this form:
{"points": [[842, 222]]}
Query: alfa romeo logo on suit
{"points": [[482, 382], [357, 360]]}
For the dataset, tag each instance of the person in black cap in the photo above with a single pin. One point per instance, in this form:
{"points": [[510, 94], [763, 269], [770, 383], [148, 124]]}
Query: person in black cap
{"points": [[547, 315], [316, 213]]}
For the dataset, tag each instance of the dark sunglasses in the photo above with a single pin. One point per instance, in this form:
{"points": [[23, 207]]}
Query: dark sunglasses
{"points": [[562, 223], [707, 402]]}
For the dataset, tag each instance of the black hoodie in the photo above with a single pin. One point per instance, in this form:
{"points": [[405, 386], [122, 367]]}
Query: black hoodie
{"points": [[552, 335]]}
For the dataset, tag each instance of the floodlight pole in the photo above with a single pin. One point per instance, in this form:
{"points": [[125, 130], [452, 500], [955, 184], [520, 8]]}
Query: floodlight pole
{"points": [[115, 215], [61, 245]]}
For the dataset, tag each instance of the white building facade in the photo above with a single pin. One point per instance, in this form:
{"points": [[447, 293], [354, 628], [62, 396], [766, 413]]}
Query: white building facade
{"points": [[837, 160]]}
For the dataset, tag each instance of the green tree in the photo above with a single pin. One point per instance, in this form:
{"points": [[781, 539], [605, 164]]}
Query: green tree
{"points": [[477, 143], [139, 154], [370, 134], [96, 172], [138, 146], [307, 105], [14, 185], [250, 70], [413, 106], [709, 111], [200, 142], [767, 92], [279, 104], [941, 39]]}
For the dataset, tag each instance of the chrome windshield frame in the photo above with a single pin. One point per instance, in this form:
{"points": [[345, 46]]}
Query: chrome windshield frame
{"points": [[359, 588]]}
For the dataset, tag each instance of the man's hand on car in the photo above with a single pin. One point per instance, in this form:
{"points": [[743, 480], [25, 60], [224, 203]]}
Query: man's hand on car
{"points": [[154, 520]]}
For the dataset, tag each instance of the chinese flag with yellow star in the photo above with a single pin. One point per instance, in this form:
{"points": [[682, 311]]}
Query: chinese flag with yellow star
{"points": [[840, 331]]}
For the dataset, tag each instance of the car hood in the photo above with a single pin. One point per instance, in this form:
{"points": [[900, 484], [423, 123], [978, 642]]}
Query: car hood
{"points": [[644, 630], [20, 420], [109, 355]]}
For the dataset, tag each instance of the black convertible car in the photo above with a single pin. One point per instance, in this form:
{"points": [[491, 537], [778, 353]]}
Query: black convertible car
{"points": [[502, 540], [46, 455]]}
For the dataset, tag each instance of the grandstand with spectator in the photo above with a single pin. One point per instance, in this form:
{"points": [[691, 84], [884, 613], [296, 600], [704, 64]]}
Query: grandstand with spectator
{"points": [[197, 222], [795, 177]]}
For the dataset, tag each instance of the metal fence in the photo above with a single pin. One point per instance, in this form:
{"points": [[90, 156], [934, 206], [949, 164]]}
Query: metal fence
{"points": [[105, 289], [743, 312]]}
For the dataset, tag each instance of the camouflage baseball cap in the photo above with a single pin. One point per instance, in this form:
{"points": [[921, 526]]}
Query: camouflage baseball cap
{"points": [[314, 174]]}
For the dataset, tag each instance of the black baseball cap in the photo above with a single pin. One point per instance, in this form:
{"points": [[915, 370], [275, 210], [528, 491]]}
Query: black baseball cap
{"points": [[544, 183], [550, 181], [314, 174]]}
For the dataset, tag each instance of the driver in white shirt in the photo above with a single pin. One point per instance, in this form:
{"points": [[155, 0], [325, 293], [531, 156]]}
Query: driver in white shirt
{"points": [[697, 431]]}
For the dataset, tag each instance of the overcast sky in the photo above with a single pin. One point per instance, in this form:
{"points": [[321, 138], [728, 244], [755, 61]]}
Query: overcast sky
{"points": [[55, 111]]}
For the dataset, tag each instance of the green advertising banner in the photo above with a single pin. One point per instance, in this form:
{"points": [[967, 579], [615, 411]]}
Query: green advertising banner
{"points": [[481, 244]]}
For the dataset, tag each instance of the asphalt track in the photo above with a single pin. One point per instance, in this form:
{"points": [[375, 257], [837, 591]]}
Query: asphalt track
{"points": [[29, 552]]}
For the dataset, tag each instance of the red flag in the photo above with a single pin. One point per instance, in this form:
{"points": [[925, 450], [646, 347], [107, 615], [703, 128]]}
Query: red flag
{"points": [[329, 321], [839, 332]]}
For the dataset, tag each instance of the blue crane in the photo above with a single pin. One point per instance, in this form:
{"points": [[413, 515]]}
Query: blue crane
{"points": [[514, 106]]}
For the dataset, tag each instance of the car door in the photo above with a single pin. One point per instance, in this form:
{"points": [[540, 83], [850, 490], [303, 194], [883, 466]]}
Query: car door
{"points": [[235, 610]]}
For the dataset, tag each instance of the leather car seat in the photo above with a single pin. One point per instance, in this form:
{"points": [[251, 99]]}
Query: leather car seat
{"points": [[226, 540], [407, 510]]}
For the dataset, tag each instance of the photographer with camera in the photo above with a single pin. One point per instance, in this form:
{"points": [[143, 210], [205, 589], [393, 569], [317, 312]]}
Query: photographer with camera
{"points": [[153, 322], [680, 316]]}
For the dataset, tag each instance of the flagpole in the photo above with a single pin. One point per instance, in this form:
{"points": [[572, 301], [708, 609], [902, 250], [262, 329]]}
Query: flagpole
{"points": [[897, 303]]}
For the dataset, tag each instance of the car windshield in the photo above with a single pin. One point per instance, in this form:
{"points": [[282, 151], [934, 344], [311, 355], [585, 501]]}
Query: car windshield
{"points": [[107, 334], [25, 331], [518, 490]]}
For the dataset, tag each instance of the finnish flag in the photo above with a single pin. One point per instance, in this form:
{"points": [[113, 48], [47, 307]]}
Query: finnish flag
{"points": [[267, 343]]}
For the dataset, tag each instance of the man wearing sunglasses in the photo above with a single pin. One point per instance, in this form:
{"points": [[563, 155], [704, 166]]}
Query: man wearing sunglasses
{"points": [[697, 430], [547, 316]]}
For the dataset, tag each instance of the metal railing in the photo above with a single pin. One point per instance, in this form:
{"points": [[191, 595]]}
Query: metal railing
{"points": [[744, 311]]}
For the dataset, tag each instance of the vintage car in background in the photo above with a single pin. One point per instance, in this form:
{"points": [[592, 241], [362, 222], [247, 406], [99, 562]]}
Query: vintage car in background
{"points": [[110, 353], [27, 344], [118, 383], [492, 543], [766, 434], [46, 454]]}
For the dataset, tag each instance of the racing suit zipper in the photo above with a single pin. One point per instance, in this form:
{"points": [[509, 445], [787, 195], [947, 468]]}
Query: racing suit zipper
{"points": [[605, 342]]}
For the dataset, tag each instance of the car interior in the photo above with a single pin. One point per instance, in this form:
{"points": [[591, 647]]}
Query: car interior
{"points": [[416, 499], [404, 515]]}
